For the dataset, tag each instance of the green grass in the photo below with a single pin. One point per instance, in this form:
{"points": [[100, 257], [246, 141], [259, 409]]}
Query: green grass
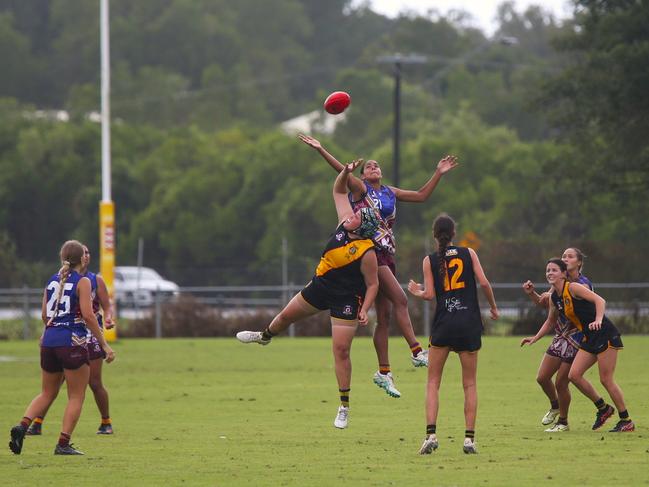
{"points": [[216, 412]]}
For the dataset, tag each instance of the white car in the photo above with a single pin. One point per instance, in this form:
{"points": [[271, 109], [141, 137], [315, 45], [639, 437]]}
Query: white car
{"points": [[138, 286]]}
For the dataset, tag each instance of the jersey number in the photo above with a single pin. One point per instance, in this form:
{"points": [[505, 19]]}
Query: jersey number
{"points": [[455, 282], [64, 303]]}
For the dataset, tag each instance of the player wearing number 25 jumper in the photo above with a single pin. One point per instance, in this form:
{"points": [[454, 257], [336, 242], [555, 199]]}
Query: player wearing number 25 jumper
{"points": [[66, 310]]}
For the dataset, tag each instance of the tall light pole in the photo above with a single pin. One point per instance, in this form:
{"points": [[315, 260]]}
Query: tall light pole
{"points": [[106, 206], [398, 60]]}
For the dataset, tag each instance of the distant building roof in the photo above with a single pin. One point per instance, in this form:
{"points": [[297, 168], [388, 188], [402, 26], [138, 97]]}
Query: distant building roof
{"points": [[316, 121]]}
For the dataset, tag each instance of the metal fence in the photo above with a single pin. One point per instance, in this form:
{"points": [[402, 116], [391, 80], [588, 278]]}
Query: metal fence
{"points": [[23, 305]]}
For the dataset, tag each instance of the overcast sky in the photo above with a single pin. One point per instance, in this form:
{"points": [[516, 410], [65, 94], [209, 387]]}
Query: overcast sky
{"points": [[483, 11]]}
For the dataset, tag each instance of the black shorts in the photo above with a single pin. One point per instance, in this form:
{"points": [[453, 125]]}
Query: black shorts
{"points": [[466, 343], [343, 307], [600, 342], [55, 359]]}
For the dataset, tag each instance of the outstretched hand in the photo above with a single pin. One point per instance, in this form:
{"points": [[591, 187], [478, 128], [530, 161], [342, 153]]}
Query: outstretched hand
{"points": [[527, 341], [310, 141], [350, 167], [415, 288], [446, 164]]}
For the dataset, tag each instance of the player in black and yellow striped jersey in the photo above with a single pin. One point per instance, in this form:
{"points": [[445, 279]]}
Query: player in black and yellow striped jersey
{"points": [[345, 283], [600, 344]]}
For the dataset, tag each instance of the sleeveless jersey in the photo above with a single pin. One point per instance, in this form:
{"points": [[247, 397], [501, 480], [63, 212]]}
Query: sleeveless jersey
{"points": [[67, 327], [96, 305], [457, 297], [385, 201], [564, 327], [579, 312], [340, 265]]}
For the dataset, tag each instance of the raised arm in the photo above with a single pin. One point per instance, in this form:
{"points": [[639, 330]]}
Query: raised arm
{"points": [[484, 284], [343, 206], [370, 271], [427, 291], [355, 185], [542, 300], [443, 166]]}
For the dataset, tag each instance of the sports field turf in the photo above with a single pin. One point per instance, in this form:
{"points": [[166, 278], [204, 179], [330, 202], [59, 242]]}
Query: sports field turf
{"points": [[216, 412]]}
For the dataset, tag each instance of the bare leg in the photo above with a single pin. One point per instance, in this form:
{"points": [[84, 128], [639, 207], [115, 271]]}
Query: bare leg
{"points": [[606, 361], [563, 391], [51, 384], [296, 309], [77, 381], [549, 366], [469, 361], [436, 360], [383, 308], [98, 389], [342, 334], [391, 288], [583, 361]]}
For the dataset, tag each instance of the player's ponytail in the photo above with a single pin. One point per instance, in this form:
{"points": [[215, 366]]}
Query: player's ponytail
{"points": [[443, 231], [71, 255]]}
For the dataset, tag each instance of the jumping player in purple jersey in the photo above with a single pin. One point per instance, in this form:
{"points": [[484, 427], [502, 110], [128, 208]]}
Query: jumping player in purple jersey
{"points": [[450, 277], [369, 191], [96, 355], [67, 314], [562, 351], [345, 283]]}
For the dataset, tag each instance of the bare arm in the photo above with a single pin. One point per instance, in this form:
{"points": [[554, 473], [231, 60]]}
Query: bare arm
{"points": [[343, 206], [427, 291], [546, 327], [85, 302], [104, 300], [542, 300], [582, 292], [44, 308], [443, 166], [370, 271], [484, 284], [355, 185]]}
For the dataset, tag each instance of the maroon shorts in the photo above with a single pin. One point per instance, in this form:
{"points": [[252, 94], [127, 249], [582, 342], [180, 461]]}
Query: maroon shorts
{"points": [[383, 257], [95, 351], [55, 359]]}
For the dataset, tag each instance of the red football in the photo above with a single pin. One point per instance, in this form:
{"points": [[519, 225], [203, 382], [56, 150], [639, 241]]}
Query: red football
{"points": [[337, 102]]}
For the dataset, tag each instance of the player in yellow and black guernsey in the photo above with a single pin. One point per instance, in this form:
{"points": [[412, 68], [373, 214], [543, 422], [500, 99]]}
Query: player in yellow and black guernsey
{"points": [[345, 283], [601, 342], [450, 276]]}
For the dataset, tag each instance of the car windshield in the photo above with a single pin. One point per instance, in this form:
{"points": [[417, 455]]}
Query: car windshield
{"points": [[144, 272]]}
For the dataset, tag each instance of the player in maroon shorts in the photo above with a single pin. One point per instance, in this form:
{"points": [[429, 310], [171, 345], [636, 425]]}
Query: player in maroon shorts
{"points": [[67, 314], [96, 355]]}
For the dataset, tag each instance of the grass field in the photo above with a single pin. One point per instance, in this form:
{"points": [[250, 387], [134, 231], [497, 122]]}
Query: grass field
{"points": [[216, 412]]}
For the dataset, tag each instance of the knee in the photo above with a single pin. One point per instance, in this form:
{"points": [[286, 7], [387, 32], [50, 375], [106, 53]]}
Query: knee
{"points": [[574, 377], [607, 381], [341, 352], [468, 385], [561, 383], [95, 385], [542, 379]]}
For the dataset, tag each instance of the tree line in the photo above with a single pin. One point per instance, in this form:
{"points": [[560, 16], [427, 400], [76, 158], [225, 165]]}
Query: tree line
{"points": [[548, 133]]}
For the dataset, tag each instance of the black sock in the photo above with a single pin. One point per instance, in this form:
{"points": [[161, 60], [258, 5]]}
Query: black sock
{"points": [[600, 404], [624, 415], [563, 421], [431, 429], [554, 404], [267, 334], [344, 397], [469, 434]]}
